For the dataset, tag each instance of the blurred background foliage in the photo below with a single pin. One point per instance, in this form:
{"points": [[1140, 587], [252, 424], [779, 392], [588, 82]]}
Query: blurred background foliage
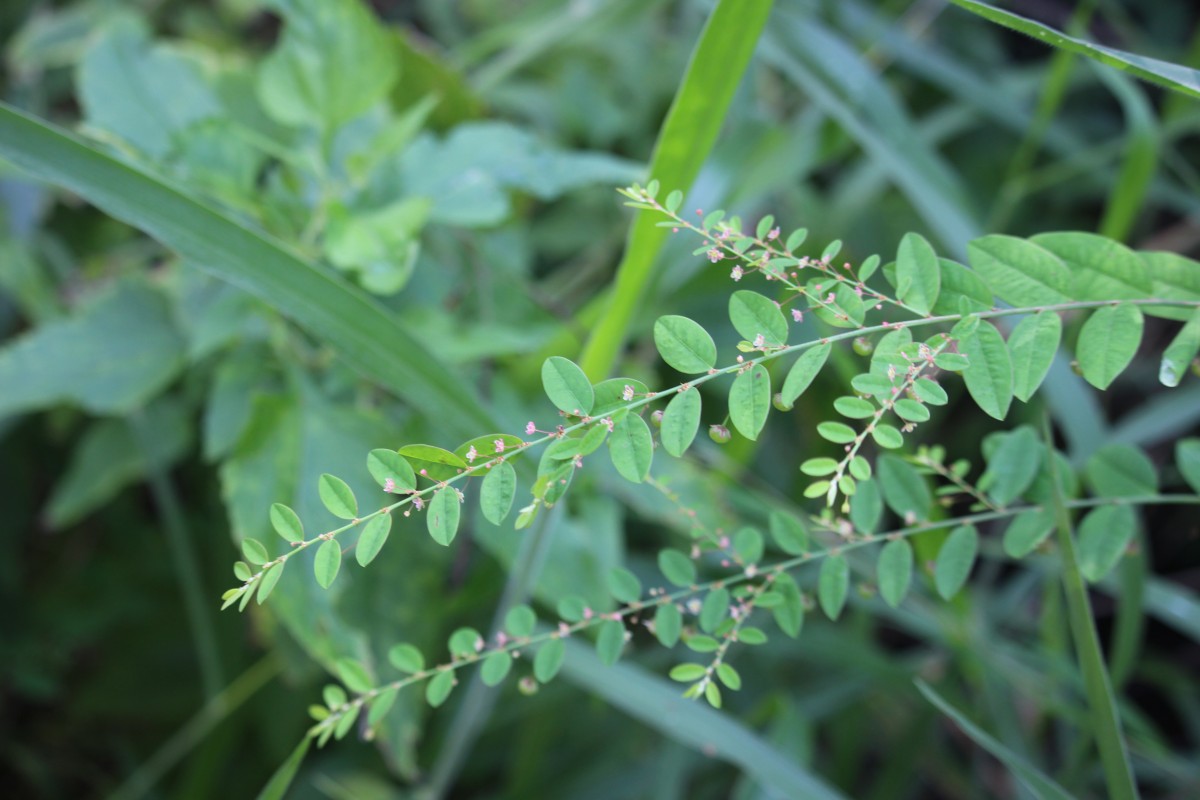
{"points": [[456, 161]]}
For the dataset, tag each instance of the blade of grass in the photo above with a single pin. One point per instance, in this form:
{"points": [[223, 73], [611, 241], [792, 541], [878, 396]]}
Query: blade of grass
{"points": [[1102, 703], [684, 142], [358, 328], [1127, 194], [660, 705], [1172, 76], [1030, 776]]}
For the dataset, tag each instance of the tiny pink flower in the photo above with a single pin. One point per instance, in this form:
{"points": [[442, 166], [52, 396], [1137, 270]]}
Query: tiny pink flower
{"points": [[564, 629], [530, 428], [389, 485], [773, 233], [797, 315], [714, 255], [499, 445], [608, 423], [736, 273], [759, 341], [471, 454], [588, 613], [627, 393], [418, 503]]}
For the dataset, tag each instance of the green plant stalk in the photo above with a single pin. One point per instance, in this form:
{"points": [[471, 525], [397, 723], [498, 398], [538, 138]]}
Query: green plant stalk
{"points": [[183, 558], [1142, 136], [684, 142], [1114, 755]]}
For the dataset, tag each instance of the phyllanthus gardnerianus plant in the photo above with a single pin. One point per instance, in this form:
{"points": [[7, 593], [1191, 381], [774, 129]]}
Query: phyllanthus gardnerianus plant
{"points": [[918, 323]]}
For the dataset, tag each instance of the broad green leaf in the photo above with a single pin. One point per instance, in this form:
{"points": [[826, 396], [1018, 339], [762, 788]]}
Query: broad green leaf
{"points": [[439, 688], [379, 246], [904, 488], [750, 401], [819, 467], [866, 507], [610, 641], [333, 61], [327, 562], [381, 705], [748, 545], [432, 462], [832, 585], [495, 668], [464, 642], [894, 571], [609, 394], [789, 615], [365, 336], [121, 350], [496, 493], [567, 387], [854, 407], [845, 310], [1187, 458], [1033, 344], [918, 273], [989, 372], [520, 621], [887, 436], [686, 673], [282, 778], [266, 584], [1107, 343], [836, 432], [910, 410], [668, 622], [955, 560], [1172, 276], [676, 567], [1120, 470], [487, 447], [354, 675], [286, 523], [684, 345], [1101, 269], [729, 676], [754, 315], [789, 533], [374, 536], [695, 118], [623, 585], [254, 552], [1027, 530], [548, 660], [1104, 534], [389, 465], [442, 516], [714, 609], [1180, 352], [1173, 76], [680, 421], [337, 497], [631, 448], [1013, 466], [962, 290], [803, 371], [407, 658], [1019, 271], [930, 392], [573, 447]]}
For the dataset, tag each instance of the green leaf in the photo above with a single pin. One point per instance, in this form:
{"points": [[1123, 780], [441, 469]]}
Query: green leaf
{"points": [[803, 371], [668, 623], [631, 448], [337, 497], [1033, 344], [378, 246], [930, 392], [385, 465], [989, 372], [676, 567], [963, 291], [366, 337], [1101, 269], [1027, 530], [955, 560], [686, 673], [1013, 466], [572, 447], [887, 436], [609, 395], [121, 350], [567, 387], [623, 585], [520, 621], [254, 552], [1180, 352], [282, 778], [832, 585], [464, 643], [266, 584], [548, 660], [750, 401], [432, 462], [684, 345], [714, 609], [748, 545], [1187, 458], [894, 571], [789, 615], [439, 688], [754, 315], [381, 705], [910, 410], [680, 421], [496, 493], [495, 668], [327, 562], [1031, 777], [836, 432], [286, 523], [1120, 470], [918, 274], [374, 536], [407, 658], [854, 407], [332, 62], [1019, 271], [1104, 535], [354, 675], [1107, 343], [442, 516], [904, 488], [789, 533], [610, 641]]}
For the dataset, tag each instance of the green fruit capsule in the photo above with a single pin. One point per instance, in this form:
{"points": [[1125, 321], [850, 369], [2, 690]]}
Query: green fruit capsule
{"points": [[777, 401], [719, 434], [863, 346]]}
